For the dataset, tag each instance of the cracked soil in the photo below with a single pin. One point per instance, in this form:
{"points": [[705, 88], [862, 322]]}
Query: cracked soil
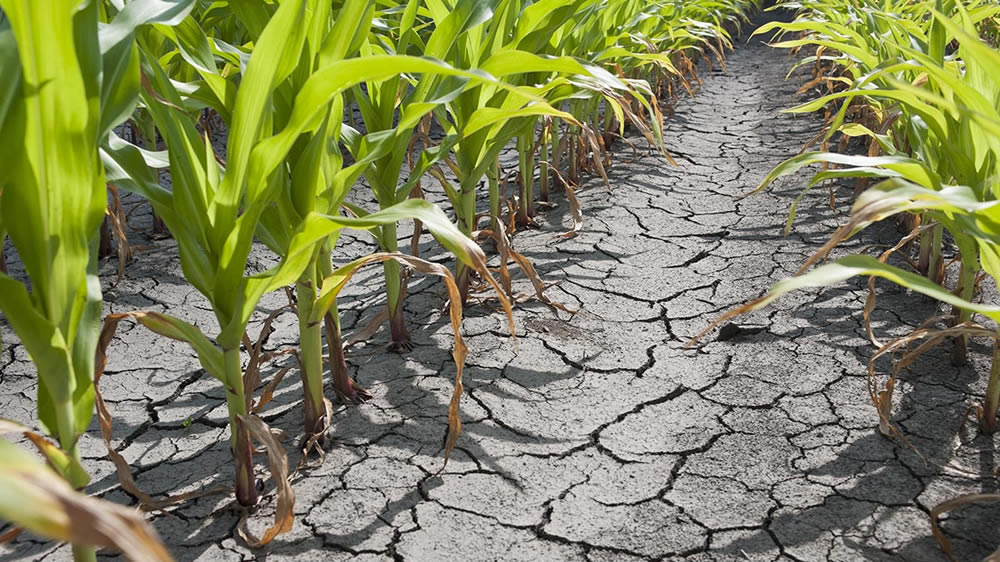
{"points": [[599, 436]]}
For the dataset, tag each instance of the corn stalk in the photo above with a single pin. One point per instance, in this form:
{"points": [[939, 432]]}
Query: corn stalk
{"points": [[66, 85]]}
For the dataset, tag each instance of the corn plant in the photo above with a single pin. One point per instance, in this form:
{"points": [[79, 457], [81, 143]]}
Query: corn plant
{"points": [[380, 103], [317, 185], [67, 85], [214, 219], [951, 123], [945, 145], [877, 41], [213, 213]]}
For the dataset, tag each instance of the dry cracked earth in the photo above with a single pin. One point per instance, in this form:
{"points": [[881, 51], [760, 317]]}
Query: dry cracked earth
{"points": [[597, 436]]}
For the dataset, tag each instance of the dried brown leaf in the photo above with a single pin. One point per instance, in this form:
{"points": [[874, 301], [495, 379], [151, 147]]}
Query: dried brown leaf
{"points": [[574, 207], [277, 460], [536, 282], [59, 512], [251, 375], [459, 351], [118, 225], [950, 505], [122, 468], [930, 337], [370, 329], [11, 534], [267, 393], [871, 298]]}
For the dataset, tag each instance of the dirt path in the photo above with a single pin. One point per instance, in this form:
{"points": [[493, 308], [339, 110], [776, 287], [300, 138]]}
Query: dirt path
{"points": [[601, 438]]}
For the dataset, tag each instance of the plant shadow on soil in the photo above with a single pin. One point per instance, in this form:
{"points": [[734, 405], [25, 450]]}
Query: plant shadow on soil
{"points": [[874, 472], [408, 415]]}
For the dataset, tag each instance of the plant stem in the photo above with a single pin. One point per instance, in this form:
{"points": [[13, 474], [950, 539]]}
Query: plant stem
{"points": [[556, 149], [84, 553], [311, 349], [65, 426], [923, 261], [105, 247], [334, 343], [526, 208], [342, 382], [543, 170], [466, 224], [571, 154], [397, 319], [394, 290], [493, 176], [936, 271], [608, 114], [246, 489], [988, 422], [966, 285], [338, 362]]}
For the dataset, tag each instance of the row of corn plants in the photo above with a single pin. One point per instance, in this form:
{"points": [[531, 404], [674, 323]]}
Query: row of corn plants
{"points": [[441, 87], [918, 83]]}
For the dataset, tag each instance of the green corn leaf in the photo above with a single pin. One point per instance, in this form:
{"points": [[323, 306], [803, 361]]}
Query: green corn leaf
{"points": [[326, 83], [120, 60], [910, 168], [510, 62], [452, 22], [276, 53], [10, 67], [143, 12], [45, 345], [851, 266], [487, 116]]}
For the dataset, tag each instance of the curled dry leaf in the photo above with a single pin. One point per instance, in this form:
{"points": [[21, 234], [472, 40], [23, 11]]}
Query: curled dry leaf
{"points": [[251, 374], [536, 281], [122, 468], [267, 393], [333, 284], [595, 146], [503, 246], [370, 329], [277, 460], [11, 534], [506, 254], [313, 443], [882, 397], [116, 214], [871, 299], [951, 505], [574, 206]]}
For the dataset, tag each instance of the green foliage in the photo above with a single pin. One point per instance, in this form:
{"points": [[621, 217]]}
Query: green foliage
{"points": [[917, 80], [280, 75]]}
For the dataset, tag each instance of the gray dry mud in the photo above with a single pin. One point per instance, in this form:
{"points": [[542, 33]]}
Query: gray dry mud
{"points": [[601, 438]]}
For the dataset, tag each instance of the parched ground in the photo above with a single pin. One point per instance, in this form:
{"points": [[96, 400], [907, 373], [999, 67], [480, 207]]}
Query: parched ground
{"points": [[598, 437]]}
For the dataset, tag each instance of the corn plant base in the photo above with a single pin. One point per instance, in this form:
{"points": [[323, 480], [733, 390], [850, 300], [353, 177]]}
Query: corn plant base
{"points": [[601, 436]]}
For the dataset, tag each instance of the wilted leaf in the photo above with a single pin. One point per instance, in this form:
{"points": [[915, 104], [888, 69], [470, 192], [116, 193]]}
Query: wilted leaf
{"points": [[277, 459], [36, 498]]}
